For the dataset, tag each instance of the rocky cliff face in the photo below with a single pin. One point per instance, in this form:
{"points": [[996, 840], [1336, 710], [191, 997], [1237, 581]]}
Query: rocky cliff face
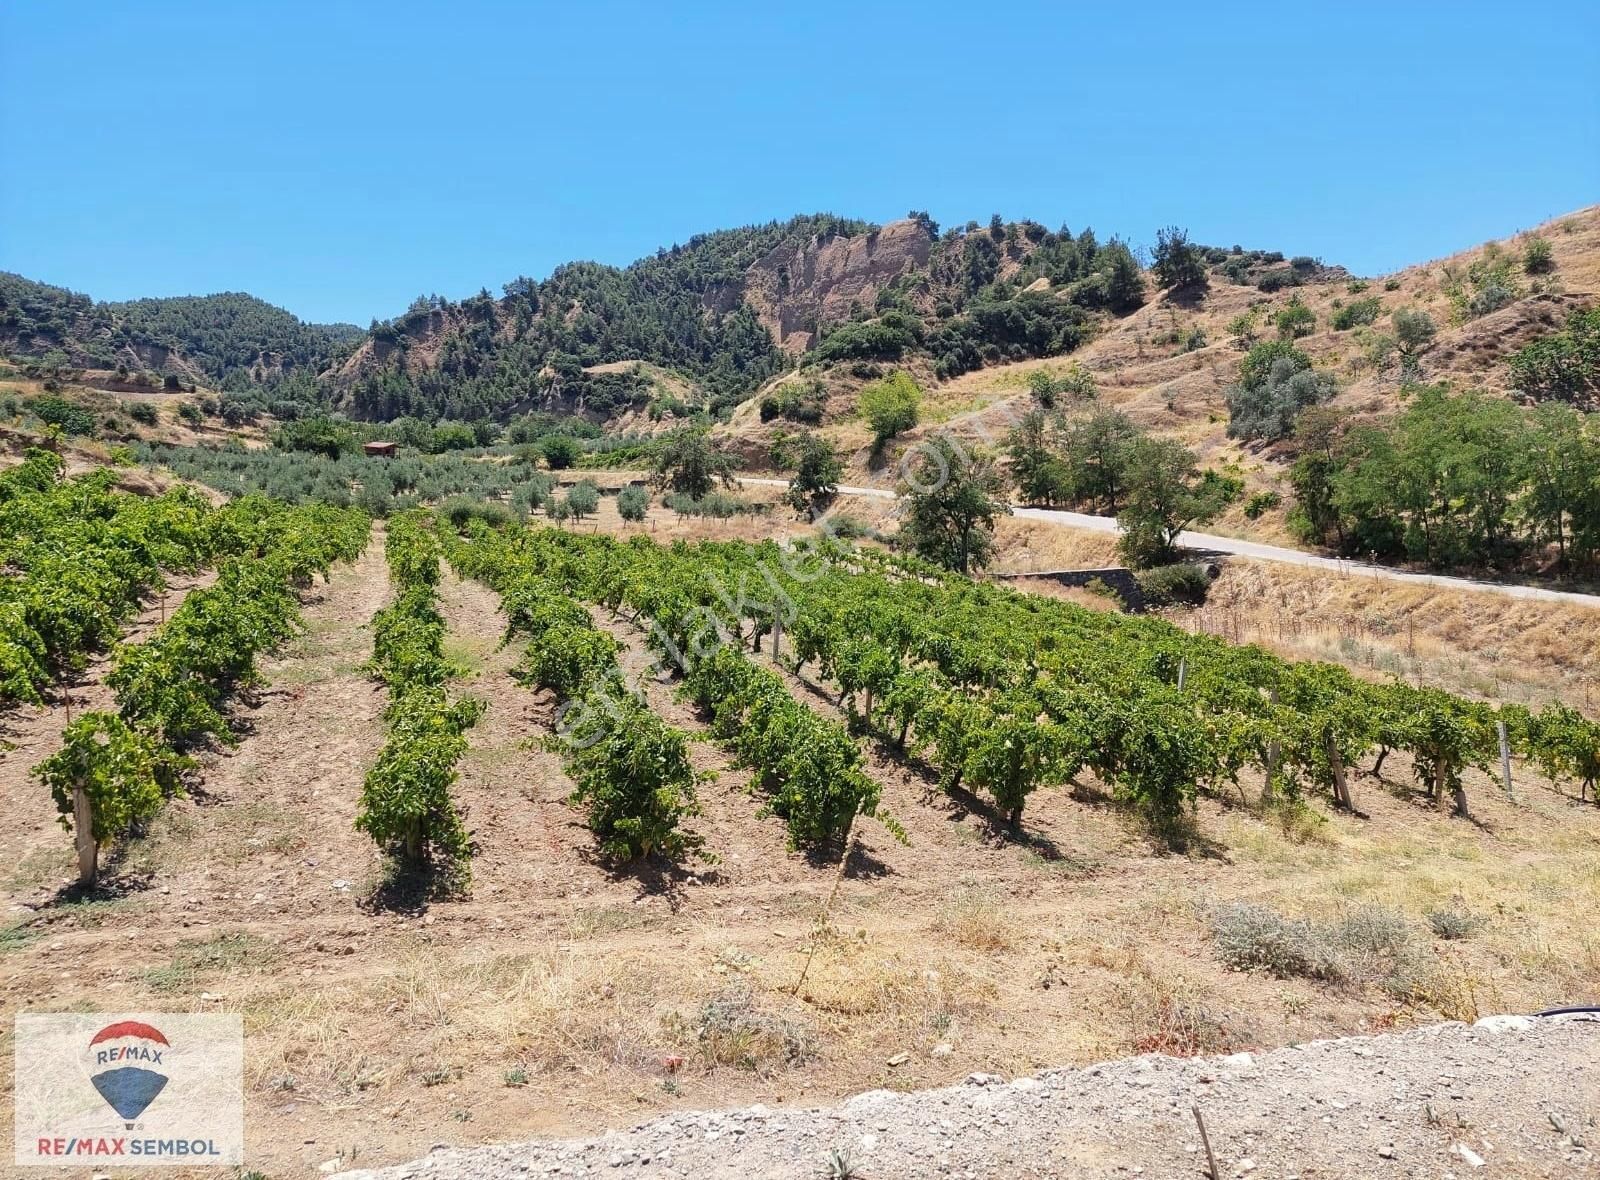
{"points": [[796, 287]]}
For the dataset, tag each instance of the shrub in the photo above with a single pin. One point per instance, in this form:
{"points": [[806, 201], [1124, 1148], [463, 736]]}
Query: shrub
{"points": [[190, 413], [1537, 257], [1167, 585], [1252, 937], [886, 338], [1356, 313], [143, 413], [1260, 503], [633, 778], [1295, 320], [1277, 280], [58, 411], [1391, 284], [458, 510], [795, 402], [731, 1029], [1453, 923]]}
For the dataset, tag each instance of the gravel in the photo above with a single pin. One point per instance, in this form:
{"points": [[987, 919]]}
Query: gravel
{"points": [[1510, 1096]]}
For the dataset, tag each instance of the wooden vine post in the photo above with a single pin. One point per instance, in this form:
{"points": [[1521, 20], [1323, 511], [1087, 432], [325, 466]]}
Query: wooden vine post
{"points": [[83, 834], [1341, 784]]}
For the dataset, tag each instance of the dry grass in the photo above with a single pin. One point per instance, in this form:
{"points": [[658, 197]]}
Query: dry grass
{"points": [[975, 917]]}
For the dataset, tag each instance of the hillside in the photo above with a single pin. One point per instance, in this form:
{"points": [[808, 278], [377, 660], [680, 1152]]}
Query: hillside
{"points": [[230, 339], [1168, 364]]}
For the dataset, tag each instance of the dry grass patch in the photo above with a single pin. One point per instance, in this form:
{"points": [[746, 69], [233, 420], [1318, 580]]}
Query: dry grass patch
{"points": [[975, 916]]}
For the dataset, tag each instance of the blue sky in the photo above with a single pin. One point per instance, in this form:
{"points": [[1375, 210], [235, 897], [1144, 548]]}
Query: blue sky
{"points": [[341, 158]]}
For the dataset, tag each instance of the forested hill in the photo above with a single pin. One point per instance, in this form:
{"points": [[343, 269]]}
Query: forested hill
{"points": [[732, 308], [726, 311], [232, 339]]}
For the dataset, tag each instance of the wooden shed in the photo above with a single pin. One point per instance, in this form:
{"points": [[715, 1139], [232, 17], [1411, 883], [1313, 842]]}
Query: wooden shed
{"points": [[387, 450]]}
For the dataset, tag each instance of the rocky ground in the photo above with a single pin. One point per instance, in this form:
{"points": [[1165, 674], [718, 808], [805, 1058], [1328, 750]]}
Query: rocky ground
{"points": [[1507, 1097]]}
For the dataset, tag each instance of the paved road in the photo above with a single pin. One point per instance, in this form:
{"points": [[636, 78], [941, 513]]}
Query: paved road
{"points": [[1237, 548]]}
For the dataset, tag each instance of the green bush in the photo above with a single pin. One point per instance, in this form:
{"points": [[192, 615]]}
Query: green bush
{"points": [[58, 411], [1261, 503], [1356, 313], [1295, 320], [1169, 585], [1537, 257]]}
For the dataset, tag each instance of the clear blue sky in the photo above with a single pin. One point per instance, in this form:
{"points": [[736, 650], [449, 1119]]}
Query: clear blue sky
{"points": [[341, 158]]}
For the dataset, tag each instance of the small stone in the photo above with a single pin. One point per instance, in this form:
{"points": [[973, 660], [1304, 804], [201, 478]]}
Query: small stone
{"points": [[942, 1049], [1500, 1024], [898, 1059], [1386, 1152], [1472, 1158]]}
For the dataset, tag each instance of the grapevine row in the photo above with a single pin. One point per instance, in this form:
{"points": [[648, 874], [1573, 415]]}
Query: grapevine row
{"points": [[406, 801], [84, 555], [1004, 692], [116, 769], [811, 770], [630, 769]]}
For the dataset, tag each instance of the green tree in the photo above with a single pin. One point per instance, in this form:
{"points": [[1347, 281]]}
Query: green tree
{"points": [[583, 499], [1414, 330], [560, 451], [1166, 494], [1264, 403], [1563, 365], [633, 502], [1041, 474], [890, 406], [817, 471], [1178, 262], [1560, 455], [1124, 284], [1096, 451], [688, 464], [952, 499]]}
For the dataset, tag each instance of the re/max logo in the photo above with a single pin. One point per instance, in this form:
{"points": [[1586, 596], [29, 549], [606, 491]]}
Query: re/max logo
{"points": [[63, 1147], [129, 1053]]}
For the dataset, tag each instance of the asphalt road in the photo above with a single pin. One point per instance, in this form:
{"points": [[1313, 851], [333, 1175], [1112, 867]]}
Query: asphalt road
{"points": [[1207, 542]]}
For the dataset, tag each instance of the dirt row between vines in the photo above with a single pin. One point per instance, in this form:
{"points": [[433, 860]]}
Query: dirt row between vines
{"points": [[560, 995], [30, 838]]}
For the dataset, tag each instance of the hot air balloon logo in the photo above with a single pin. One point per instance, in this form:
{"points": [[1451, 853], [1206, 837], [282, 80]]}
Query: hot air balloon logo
{"points": [[127, 1059]]}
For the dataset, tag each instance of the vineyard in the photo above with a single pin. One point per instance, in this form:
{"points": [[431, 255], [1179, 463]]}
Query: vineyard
{"points": [[995, 692], [86, 555], [606, 824]]}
